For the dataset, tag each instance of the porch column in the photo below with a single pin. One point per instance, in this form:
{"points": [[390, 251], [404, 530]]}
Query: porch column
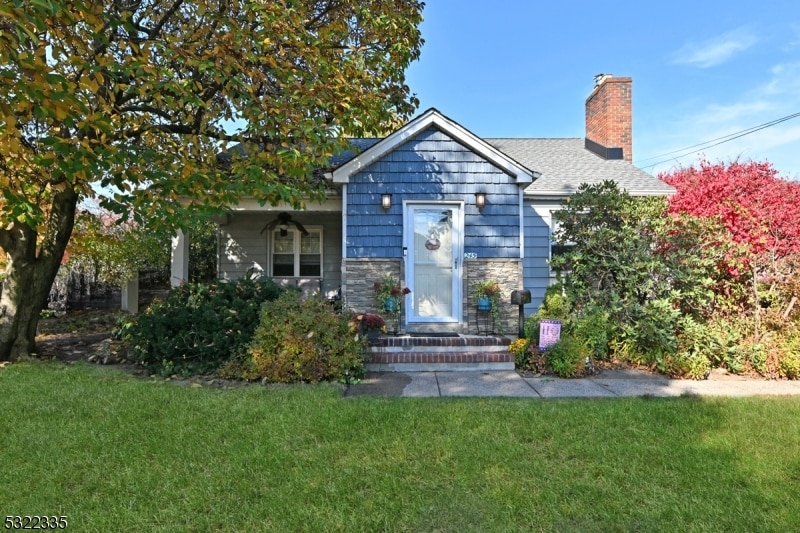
{"points": [[130, 295], [180, 259]]}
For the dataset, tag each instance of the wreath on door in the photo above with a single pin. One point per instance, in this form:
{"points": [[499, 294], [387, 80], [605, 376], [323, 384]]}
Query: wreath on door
{"points": [[432, 243]]}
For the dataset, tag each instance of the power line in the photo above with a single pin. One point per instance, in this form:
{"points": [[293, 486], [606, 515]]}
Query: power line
{"points": [[731, 135], [716, 142]]}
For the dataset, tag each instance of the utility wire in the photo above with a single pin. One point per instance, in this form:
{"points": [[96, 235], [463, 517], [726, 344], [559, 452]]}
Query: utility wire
{"points": [[738, 133], [717, 141]]}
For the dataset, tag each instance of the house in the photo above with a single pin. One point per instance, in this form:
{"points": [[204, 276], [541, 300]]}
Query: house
{"points": [[439, 208]]}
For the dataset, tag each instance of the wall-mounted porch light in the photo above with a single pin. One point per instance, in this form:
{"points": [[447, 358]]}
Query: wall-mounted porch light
{"points": [[386, 201], [480, 200]]}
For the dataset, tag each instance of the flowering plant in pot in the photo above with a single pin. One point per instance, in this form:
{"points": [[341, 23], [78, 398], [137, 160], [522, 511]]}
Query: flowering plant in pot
{"points": [[370, 325], [389, 294], [368, 321], [487, 296]]}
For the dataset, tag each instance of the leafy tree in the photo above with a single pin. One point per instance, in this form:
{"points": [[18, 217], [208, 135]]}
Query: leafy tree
{"points": [[639, 265], [752, 201], [139, 97], [114, 250], [203, 252], [759, 209]]}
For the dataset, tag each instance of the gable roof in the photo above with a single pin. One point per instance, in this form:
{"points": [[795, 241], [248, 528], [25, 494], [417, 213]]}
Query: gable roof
{"points": [[430, 118], [552, 167], [565, 164]]}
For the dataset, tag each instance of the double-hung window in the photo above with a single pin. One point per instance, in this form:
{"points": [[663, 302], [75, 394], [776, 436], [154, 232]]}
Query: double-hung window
{"points": [[295, 255], [557, 249]]}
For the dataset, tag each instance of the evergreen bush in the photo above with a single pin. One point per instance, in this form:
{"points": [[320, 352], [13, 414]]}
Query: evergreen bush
{"points": [[198, 326]]}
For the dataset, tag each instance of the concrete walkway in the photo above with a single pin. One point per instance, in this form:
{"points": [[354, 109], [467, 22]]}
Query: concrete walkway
{"points": [[609, 383]]}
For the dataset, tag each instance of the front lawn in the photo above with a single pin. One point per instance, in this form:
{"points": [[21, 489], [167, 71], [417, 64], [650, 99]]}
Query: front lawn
{"points": [[118, 453]]}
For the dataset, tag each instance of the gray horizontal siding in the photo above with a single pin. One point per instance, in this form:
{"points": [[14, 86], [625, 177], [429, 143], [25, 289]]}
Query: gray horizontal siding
{"points": [[432, 167], [243, 247]]}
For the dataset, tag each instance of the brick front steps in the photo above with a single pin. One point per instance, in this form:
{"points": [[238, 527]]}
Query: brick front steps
{"points": [[423, 354]]}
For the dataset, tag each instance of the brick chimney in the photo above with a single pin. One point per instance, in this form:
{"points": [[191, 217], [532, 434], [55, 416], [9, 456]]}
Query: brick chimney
{"points": [[609, 124]]}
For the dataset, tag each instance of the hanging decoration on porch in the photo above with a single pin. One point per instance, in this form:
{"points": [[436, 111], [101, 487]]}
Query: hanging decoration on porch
{"points": [[282, 223]]}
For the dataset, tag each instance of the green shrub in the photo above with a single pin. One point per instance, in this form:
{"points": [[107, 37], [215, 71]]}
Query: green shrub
{"points": [[625, 350], [790, 361], [727, 336], [531, 329], [555, 306], [718, 341], [758, 358], [696, 349], [790, 365], [567, 358], [592, 328], [521, 350], [198, 326], [300, 340], [687, 364], [651, 329]]}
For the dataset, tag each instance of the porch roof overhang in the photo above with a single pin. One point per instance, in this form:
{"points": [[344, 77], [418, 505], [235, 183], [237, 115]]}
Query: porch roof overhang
{"points": [[249, 205], [433, 118], [331, 204]]}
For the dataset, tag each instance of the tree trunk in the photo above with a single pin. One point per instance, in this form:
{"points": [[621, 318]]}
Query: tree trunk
{"points": [[757, 304], [32, 268]]}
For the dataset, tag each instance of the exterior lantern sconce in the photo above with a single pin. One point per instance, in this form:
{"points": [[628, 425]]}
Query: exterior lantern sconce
{"points": [[386, 201], [480, 200]]}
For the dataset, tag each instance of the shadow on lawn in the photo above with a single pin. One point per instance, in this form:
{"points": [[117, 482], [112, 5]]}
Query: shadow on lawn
{"points": [[695, 469]]}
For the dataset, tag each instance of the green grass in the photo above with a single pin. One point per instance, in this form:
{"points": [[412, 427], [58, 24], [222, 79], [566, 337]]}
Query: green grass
{"points": [[117, 453]]}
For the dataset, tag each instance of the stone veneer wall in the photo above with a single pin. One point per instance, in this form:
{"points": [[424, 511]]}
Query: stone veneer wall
{"points": [[508, 274], [360, 276]]}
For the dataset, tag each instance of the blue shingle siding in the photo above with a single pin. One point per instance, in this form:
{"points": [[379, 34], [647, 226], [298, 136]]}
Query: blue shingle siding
{"points": [[432, 167], [536, 273]]}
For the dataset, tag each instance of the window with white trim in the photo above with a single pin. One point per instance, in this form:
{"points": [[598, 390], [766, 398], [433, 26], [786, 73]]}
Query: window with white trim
{"points": [[557, 249], [295, 255]]}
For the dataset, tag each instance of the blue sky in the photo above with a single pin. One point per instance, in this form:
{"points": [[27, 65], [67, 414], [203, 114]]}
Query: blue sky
{"points": [[701, 70]]}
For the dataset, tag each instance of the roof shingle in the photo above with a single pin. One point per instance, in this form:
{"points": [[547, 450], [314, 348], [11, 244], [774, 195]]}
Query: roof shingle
{"points": [[565, 164]]}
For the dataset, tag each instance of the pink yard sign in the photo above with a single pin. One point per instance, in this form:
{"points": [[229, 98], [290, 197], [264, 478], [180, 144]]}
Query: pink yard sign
{"points": [[549, 333]]}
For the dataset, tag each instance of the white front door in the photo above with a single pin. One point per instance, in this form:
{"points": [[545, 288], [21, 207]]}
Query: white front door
{"points": [[433, 240]]}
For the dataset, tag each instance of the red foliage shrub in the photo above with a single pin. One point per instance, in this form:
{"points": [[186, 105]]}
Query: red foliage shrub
{"points": [[752, 201]]}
